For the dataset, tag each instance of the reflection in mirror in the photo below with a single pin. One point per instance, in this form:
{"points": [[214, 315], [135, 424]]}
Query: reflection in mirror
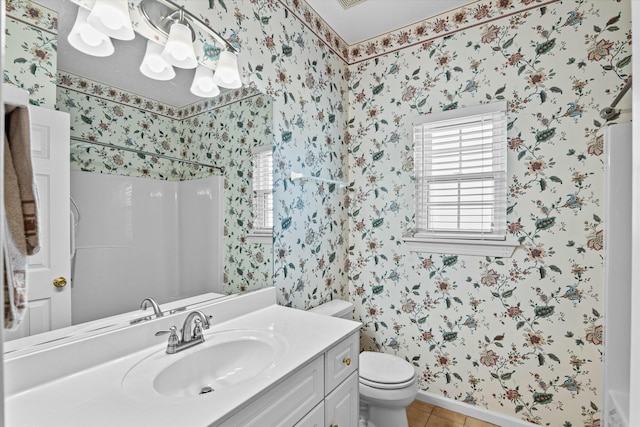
{"points": [[150, 224]]}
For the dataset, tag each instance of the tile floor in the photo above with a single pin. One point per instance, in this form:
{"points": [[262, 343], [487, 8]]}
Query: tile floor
{"points": [[422, 414]]}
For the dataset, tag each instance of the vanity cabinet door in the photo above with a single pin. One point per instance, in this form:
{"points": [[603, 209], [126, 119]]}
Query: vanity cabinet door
{"points": [[284, 404], [341, 361], [342, 404], [315, 418]]}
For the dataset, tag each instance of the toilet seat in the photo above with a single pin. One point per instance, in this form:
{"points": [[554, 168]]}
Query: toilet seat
{"points": [[385, 371], [388, 386]]}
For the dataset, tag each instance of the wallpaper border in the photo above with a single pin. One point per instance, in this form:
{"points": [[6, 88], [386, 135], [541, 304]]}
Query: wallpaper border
{"points": [[452, 21], [70, 81]]}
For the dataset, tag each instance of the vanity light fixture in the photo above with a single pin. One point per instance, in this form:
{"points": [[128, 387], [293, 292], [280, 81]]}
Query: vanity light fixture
{"points": [[153, 65], [111, 18], [203, 83], [171, 31], [227, 74], [87, 39], [179, 48]]}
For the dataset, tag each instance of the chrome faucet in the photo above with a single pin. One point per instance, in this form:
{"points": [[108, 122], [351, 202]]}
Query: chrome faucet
{"points": [[202, 322], [150, 301], [190, 336]]}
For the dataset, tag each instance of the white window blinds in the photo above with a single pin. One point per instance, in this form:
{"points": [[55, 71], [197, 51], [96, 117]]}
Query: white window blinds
{"points": [[262, 190], [460, 168]]}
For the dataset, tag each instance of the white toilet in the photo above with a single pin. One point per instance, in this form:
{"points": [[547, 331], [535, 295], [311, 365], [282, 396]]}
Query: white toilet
{"points": [[388, 383]]}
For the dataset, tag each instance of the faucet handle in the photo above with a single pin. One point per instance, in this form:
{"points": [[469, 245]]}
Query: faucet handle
{"points": [[172, 343], [171, 330], [197, 330]]}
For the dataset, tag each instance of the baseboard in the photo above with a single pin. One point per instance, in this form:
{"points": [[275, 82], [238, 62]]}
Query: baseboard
{"points": [[470, 410]]}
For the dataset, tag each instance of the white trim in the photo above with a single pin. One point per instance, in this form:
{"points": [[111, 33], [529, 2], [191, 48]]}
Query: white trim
{"points": [[14, 96], [634, 322], [261, 149], [261, 238], [2, 219], [470, 410], [495, 248], [461, 112]]}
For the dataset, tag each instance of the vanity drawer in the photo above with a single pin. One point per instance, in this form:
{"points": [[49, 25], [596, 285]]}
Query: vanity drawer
{"points": [[315, 418], [285, 403], [341, 360]]}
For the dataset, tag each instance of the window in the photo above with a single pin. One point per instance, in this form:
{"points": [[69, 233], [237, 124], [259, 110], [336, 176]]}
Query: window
{"points": [[461, 179], [262, 160]]}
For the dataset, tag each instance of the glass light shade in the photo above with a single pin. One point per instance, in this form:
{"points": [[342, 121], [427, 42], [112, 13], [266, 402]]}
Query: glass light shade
{"points": [[227, 74], [111, 17], [179, 50], [87, 39], [153, 65], [203, 84]]}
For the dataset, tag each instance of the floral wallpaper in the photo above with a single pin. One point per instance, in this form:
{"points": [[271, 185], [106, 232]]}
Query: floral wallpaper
{"points": [[225, 137], [520, 336], [282, 57], [31, 63], [97, 116]]}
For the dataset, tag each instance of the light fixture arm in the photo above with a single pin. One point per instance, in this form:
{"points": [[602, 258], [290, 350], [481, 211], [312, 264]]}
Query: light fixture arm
{"points": [[180, 19], [203, 25]]}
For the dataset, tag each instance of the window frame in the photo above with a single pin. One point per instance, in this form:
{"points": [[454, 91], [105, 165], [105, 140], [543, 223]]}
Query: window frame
{"points": [[258, 232], [490, 239]]}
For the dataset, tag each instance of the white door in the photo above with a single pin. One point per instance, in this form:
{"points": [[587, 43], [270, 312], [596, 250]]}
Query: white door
{"points": [[49, 306]]}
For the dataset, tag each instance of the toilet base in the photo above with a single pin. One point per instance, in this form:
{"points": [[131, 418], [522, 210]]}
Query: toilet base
{"points": [[386, 408], [383, 417]]}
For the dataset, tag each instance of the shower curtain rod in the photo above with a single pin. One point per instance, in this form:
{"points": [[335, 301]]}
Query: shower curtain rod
{"points": [[610, 112], [146, 153]]}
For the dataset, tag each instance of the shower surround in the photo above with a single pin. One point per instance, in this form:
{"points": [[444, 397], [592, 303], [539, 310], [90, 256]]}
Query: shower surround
{"points": [[138, 238]]}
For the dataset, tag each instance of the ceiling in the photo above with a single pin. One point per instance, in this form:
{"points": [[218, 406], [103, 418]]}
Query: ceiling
{"points": [[372, 18]]}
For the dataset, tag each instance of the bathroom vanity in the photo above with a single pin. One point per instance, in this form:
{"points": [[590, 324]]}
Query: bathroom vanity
{"points": [[260, 365]]}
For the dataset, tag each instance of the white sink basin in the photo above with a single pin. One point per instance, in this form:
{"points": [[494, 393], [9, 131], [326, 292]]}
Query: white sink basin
{"points": [[226, 359]]}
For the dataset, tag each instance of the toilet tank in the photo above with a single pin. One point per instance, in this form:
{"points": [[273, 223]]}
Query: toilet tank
{"points": [[335, 308]]}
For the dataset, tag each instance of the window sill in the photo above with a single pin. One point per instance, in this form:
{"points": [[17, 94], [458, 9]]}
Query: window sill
{"points": [[495, 248], [262, 238]]}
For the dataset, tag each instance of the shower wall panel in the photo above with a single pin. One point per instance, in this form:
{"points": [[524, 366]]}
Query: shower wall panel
{"points": [[129, 243]]}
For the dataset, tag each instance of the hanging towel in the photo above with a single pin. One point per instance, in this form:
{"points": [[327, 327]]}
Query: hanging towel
{"points": [[21, 214], [19, 138], [15, 283]]}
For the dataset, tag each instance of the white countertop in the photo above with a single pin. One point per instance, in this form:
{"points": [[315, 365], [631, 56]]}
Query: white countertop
{"points": [[94, 397], [95, 327]]}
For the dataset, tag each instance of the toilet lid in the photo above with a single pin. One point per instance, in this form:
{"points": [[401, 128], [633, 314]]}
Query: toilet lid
{"points": [[382, 368]]}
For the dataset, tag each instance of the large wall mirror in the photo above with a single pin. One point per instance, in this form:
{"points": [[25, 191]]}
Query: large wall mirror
{"points": [[144, 225]]}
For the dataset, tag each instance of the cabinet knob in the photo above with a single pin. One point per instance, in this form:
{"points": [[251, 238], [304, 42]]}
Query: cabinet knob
{"points": [[346, 361], [334, 425], [60, 282]]}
